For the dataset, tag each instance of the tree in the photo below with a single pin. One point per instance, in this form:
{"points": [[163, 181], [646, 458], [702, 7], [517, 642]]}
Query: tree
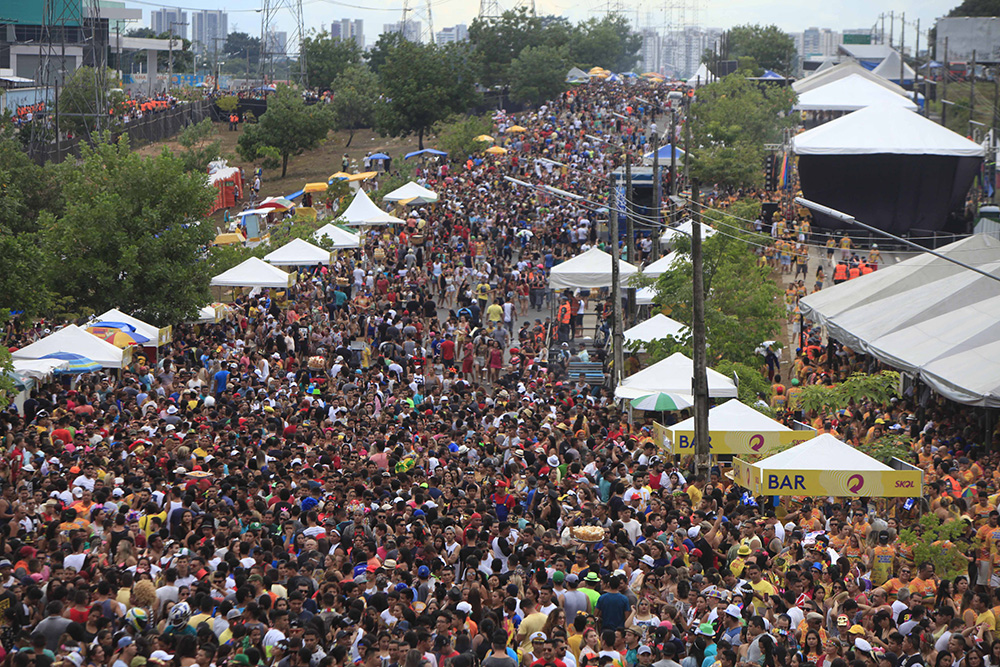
{"points": [[538, 74], [608, 42], [769, 46], [421, 85], [129, 236], [327, 57], [355, 91], [244, 47], [199, 150], [457, 135], [742, 302], [977, 8], [81, 99], [499, 41], [730, 120], [387, 43], [931, 545], [289, 126]]}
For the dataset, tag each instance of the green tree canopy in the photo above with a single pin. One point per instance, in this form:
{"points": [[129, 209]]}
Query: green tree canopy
{"points": [[538, 74], [457, 135], [81, 98], [421, 85], [608, 42], [241, 46], [289, 126], [327, 57], [977, 8], [128, 237], [731, 120], [354, 93], [769, 46], [499, 41]]}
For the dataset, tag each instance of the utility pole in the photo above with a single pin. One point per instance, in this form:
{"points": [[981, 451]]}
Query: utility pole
{"points": [[170, 80], [687, 137], [892, 25], [629, 234], [616, 290], [916, 70], [944, 85], [902, 48], [972, 88], [882, 36], [654, 235], [699, 383]]}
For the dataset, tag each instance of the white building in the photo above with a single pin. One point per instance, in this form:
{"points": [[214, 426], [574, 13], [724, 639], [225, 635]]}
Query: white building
{"points": [[276, 43], [651, 53], [209, 29], [817, 42], [160, 20], [452, 34], [348, 29], [682, 49], [412, 32]]}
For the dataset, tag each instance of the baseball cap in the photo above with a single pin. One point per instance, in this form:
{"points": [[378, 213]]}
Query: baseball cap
{"points": [[572, 579], [559, 577], [645, 650], [123, 642], [734, 611], [423, 572]]}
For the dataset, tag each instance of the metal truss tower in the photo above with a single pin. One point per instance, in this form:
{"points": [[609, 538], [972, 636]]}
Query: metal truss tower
{"points": [[271, 12]]}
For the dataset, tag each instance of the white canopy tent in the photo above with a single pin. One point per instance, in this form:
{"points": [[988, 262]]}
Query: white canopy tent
{"points": [[683, 229], [889, 68], [925, 316], [836, 72], [75, 340], [734, 416], [657, 327], [412, 193], [38, 369], [254, 272], [341, 238], [644, 296], [577, 75], [736, 428], [663, 264], [210, 314], [298, 252], [884, 128], [850, 94], [363, 212], [157, 335], [701, 76], [589, 270], [673, 375]]}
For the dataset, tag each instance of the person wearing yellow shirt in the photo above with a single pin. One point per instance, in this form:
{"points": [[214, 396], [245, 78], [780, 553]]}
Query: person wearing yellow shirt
{"points": [[494, 313], [762, 589], [986, 621], [694, 491]]}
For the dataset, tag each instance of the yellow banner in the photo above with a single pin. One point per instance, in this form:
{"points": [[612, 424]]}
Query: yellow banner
{"points": [[746, 476], [165, 335], [888, 484], [737, 442], [661, 436]]}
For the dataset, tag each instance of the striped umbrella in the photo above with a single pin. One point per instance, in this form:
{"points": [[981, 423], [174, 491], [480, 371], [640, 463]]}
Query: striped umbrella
{"points": [[77, 363], [117, 337], [662, 402]]}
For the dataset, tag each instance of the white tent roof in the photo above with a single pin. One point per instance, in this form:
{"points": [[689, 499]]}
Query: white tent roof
{"points": [[925, 316], [78, 341], [363, 211], [663, 264], [298, 252], [684, 228], [144, 328], [700, 77], [588, 270], [673, 375], [410, 191], [884, 128], [824, 452], [576, 74], [254, 272], [657, 327], [645, 296], [850, 94], [38, 369], [889, 68], [341, 238], [735, 416], [836, 72]]}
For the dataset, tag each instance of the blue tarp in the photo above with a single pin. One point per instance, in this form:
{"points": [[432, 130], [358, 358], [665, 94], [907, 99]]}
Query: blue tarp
{"points": [[378, 156], [664, 153], [771, 74], [430, 151]]}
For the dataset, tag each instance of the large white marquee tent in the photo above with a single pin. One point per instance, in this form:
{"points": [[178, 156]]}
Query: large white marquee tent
{"points": [[589, 270], [75, 340], [850, 94], [673, 376]]}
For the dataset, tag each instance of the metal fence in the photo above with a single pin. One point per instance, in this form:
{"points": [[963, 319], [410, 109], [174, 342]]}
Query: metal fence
{"points": [[151, 128]]}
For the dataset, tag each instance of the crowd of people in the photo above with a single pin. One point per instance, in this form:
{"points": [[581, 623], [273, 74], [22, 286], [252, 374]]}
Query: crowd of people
{"points": [[385, 465]]}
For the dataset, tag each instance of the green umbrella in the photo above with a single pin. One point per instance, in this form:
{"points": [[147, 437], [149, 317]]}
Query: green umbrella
{"points": [[662, 402]]}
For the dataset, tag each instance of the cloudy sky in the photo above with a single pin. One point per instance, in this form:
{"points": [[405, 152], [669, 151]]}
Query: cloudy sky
{"points": [[790, 15]]}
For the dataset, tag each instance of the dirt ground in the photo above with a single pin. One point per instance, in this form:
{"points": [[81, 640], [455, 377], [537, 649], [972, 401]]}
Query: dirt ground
{"points": [[311, 166]]}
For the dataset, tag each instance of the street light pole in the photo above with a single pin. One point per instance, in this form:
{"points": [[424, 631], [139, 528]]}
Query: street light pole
{"points": [[170, 79]]}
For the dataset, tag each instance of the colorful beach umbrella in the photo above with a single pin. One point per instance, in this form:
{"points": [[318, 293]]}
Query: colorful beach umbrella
{"points": [[77, 363], [496, 150], [662, 402], [117, 337], [485, 137]]}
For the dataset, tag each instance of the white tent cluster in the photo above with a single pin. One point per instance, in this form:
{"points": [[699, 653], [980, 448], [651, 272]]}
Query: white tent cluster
{"points": [[926, 316], [655, 328], [673, 376], [850, 93], [588, 270]]}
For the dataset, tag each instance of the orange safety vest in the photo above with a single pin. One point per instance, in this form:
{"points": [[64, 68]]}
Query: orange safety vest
{"points": [[866, 269], [840, 272], [855, 273], [564, 313]]}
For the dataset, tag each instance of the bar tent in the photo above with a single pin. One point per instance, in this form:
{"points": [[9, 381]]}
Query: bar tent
{"points": [[161, 335], [254, 272], [341, 238], [75, 340], [657, 327], [589, 270], [735, 428], [298, 252], [825, 466], [672, 375]]}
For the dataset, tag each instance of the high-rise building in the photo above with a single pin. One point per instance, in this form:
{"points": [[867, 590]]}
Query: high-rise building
{"points": [[817, 42], [452, 34], [348, 29], [682, 49], [276, 43], [412, 32], [651, 52], [160, 20], [209, 29]]}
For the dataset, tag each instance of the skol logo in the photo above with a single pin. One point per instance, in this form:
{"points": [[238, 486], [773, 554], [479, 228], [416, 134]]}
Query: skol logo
{"points": [[905, 484], [756, 442], [854, 483]]}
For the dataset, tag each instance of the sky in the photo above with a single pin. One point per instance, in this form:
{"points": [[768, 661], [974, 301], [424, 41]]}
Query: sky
{"points": [[789, 15]]}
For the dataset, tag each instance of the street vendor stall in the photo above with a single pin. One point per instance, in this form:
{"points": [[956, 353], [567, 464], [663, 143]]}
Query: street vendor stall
{"points": [[588, 270], [826, 466], [298, 252], [734, 428], [339, 238], [254, 272], [76, 340]]}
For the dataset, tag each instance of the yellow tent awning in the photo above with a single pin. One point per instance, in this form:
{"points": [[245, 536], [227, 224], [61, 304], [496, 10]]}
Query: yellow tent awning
{"points": [[363, 176], [734, 428], [516, 128], [485, 137], [315, 187], [340, 175], [228, 238], [496, 150]]}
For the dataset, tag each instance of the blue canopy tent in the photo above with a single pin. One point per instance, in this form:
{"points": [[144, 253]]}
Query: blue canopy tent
{"points": [[378, 156], [428, 151], [771, 75], [664, 154]]}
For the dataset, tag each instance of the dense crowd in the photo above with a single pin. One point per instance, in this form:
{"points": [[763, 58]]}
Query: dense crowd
{"points": [[385, 465]]}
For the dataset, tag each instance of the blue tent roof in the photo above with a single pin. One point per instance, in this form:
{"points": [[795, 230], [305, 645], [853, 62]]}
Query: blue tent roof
{"points": [[664, 153], [771, 74], [431, 151], [378, 156]]}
